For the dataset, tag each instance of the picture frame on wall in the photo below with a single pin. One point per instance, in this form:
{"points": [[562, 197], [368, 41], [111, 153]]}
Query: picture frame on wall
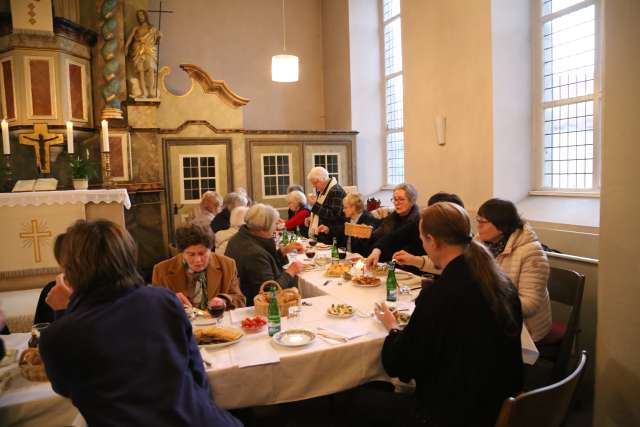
{"points": [[120, 160]]}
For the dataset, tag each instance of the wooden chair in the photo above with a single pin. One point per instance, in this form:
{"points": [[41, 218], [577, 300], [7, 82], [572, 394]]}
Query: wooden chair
{"points": [[565, 287], [546, 406]]}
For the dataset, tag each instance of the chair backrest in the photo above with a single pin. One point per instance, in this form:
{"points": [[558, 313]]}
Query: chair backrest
{"points": [[547, 406], [566, 287]]}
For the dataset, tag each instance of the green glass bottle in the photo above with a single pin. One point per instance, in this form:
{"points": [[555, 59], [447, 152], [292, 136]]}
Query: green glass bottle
{"points": [[298, 234], [392, 284], [285, 238], [335, 256], [273, 315]]}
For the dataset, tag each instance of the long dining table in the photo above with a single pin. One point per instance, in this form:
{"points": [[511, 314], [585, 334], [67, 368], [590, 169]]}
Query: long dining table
{"points": [[255, 371]]}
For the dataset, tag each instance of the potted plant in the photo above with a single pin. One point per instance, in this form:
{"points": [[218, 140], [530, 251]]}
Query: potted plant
{"points": [[81, 171]]}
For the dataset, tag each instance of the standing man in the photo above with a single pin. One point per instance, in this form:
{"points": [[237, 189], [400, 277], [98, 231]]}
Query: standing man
{"points": [[326, 220]]}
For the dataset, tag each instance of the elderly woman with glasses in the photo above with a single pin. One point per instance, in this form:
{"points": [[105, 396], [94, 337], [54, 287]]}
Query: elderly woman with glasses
{"points": [[406, 213], [256, 254]]}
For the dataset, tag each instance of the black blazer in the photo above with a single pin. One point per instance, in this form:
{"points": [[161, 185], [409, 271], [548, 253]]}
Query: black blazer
{"points": [[330, 214], [462, 358], [221, 220], [362, 246]]}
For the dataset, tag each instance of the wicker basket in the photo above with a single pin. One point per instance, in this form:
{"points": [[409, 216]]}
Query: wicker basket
{"points": [[361, 231], [286, 298], [31, 371]]}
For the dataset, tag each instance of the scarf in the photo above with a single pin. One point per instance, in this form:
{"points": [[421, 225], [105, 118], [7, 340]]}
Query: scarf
{"points": [[498, 247], [315, 219], [197, 283]]}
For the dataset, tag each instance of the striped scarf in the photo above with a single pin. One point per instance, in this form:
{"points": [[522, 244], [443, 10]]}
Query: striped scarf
{"points": [[197, 284]]}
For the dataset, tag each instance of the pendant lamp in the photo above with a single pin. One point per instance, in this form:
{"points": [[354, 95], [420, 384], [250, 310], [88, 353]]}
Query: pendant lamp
{"points": [[284, 67]]}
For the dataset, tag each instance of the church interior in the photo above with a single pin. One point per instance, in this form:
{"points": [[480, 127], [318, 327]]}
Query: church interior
{"points": [[130, 110]]}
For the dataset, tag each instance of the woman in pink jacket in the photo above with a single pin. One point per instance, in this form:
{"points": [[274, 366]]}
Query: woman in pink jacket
{"points": [[516, 248]]}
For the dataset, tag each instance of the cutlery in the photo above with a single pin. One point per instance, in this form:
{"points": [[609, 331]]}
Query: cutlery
{"points": [[329, 341], [326, 283], [332, 337]]}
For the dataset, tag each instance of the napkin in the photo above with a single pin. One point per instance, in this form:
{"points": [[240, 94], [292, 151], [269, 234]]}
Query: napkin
{"points": [[344, 329], [259, 352], [239, 314]]}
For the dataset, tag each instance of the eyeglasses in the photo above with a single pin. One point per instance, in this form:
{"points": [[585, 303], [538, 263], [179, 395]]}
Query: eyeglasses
{"points": [[397, 200], [481, 220]]}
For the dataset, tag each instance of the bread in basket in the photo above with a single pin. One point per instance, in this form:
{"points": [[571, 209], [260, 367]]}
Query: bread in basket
{"points": [[286, 298], [31, 365]]}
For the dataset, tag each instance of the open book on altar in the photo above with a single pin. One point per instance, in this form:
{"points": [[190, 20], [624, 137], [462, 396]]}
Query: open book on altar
{"points": [[40, 184]]}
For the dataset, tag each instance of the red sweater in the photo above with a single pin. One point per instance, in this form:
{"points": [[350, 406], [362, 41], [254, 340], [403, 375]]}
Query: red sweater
{"points": [[297, 219]]}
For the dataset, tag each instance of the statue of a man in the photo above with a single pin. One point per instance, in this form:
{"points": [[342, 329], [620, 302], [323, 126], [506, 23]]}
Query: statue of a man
{"points": [[142, 50]]}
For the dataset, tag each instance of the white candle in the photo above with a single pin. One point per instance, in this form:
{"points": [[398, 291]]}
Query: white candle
{"points": [[6, 148], [105, 136], [70, 138]]}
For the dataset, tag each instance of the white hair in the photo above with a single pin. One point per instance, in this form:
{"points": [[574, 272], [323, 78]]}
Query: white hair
{"points": [[261, 217], [234, 199], [409, 190], [236, 219], [297, 197], [318, 174]]}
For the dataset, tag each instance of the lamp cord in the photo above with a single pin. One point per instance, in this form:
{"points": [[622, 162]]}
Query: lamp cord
{"points": [[284, 30]]}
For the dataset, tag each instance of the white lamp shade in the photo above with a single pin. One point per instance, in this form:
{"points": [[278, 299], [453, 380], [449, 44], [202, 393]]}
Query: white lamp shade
{"points": [[284, 68]]}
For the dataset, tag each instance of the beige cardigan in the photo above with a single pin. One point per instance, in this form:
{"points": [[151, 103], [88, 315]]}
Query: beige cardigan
{"points": [[526, 264]]}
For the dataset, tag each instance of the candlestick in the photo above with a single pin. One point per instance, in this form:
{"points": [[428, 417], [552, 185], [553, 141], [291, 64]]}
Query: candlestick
{"points": [[6, 147], [105, 136], [70, 138], [106, 170]]}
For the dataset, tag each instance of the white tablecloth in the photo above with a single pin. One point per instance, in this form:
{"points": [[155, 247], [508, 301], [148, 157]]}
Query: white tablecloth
{"points": [[319, 369], [36, 198]]}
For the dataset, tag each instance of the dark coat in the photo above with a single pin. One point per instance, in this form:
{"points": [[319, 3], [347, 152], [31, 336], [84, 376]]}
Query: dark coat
{"points": [[257, 260], [399, 233], [363, 246], [330, 214], [221, 220], [463, 361], [129, 358]]}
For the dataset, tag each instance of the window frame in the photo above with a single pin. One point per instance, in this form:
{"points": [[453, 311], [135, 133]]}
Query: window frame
{"points": [[537, 178], [199, 179], [262, 174], [325, 165], [385, 78]]}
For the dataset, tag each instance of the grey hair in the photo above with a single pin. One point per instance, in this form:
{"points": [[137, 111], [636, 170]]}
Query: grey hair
{"points": [[237, 216], [355, 200], [297, 196], [215, 197], [234, 199], [261, 217], [318, 174], [294, 187], [409, 190]]}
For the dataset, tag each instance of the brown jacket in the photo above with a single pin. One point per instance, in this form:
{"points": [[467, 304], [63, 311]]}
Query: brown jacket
{"points": [[222, 278]]}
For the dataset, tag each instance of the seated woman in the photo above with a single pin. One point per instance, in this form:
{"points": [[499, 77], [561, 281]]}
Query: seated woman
{"points": [[256, 255], [517, 250], [231, 201], [407, 214], [210, 205], [471, 306], [198, 276], [354, 211], [123, 352], [298, 212], [236, 221]]}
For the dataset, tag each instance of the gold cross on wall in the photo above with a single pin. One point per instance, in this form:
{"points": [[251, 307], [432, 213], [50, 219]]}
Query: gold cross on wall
{"points": [[41, 141], [34, 237]]}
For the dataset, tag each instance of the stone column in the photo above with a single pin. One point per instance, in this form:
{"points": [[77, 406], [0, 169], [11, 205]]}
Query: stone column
{"points": [[110, 61]]}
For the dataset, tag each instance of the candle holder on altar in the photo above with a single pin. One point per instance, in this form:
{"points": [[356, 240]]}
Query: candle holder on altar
{"points": [[107, 182], [7, 168]]}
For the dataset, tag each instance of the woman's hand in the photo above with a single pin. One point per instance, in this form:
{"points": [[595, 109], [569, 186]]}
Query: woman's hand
{"points": [[217, 302], [59, 296], [295, 246], [307, 221], [385, 316], [295, 268], [183, 299], [373, 258], [405, 258], [323, 229]]}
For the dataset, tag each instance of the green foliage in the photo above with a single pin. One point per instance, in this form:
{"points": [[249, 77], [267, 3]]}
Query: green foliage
{"points": [[82, 168]]}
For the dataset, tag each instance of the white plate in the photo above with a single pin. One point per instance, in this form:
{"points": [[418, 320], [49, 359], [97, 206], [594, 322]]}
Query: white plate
{"points": [[294, 337], [403, 275], [223, 344], [360, 285], [203, 321], [340, 316]]}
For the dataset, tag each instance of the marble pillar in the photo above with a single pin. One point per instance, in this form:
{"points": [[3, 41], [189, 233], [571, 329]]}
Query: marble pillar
{"points": [[110, 61]]}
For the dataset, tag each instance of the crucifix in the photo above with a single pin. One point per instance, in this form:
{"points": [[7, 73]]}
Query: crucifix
{"points": [[41, 141], [160, 11]]}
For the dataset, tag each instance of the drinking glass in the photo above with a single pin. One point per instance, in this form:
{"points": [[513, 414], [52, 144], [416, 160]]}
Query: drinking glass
{"points": [[35, 333], [294, 317], [310, 253], [216, 310]]}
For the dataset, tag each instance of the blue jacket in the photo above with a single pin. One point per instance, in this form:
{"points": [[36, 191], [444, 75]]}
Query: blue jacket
{"points": [[129, 358]]}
